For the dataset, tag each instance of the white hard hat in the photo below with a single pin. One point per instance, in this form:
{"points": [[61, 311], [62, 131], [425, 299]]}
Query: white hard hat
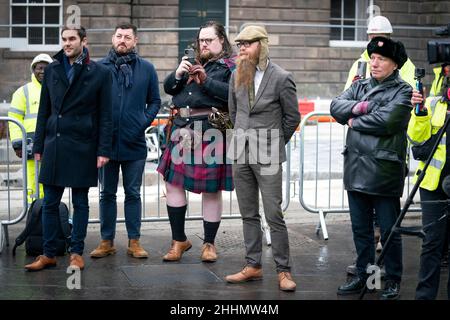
{"points": [[43, 57], [379, 24]]}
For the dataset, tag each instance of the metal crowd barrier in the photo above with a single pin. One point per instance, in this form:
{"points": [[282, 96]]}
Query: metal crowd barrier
{"points": [[151, 209], [4, 238], [319, 148], [322, 169]]}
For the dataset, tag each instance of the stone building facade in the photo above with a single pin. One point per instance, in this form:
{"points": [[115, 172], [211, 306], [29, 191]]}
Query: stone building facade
{"points": [[301, 39]]}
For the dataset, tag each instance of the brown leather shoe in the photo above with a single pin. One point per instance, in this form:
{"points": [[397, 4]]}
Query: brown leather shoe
{"points": [[40, 263], [177, 249], [104, 249], [286, 281], [135, 249], [246, 274], [209, 253], [76, 261]]}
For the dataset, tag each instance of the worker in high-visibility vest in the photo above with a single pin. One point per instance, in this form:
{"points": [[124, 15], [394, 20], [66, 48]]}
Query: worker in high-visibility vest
{"points": [[24, 108], [423, 129]]}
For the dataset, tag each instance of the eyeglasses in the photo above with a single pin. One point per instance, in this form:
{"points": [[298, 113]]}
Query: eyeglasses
{"points": [[244, 44], [207, 41]]}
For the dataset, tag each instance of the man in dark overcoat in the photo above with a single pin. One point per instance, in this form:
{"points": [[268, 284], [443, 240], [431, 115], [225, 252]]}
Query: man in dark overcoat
{"points": [[377, 111], [72, 140]]}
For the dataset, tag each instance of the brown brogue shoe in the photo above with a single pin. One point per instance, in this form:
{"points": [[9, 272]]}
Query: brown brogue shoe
{"points": [[76, 261], [209, 253], [246, 274], [286, 282], [135, 249], [40, 263], [104, 249], [177, 249]]}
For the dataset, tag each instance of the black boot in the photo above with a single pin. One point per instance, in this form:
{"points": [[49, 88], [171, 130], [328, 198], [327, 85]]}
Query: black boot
{"points": [[355, 285], [391, 290]]}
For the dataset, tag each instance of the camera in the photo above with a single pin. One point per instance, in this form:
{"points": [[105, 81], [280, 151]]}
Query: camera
{"points": [[361, 71], [439, 50], [190, 53], [419, 73]]}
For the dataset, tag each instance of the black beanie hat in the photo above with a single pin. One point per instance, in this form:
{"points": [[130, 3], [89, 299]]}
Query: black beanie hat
{"points": [[388, 48]]}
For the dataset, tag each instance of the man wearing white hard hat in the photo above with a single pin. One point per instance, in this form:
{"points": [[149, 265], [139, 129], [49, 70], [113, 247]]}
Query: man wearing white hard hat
{"points": [[379, 26], [24, 108]]}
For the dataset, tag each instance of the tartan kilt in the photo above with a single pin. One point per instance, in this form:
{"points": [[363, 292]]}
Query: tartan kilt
{"points": [[196, 177]]}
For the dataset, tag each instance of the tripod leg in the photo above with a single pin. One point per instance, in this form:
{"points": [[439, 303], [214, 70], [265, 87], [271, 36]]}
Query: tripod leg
{"points": [[409, 200]]}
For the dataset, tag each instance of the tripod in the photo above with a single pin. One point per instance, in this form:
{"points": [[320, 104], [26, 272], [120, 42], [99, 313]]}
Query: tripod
{"points": [[412, 231]]}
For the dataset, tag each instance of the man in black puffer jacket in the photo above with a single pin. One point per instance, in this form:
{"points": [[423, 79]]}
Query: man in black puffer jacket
{"points": [[377, 111]]}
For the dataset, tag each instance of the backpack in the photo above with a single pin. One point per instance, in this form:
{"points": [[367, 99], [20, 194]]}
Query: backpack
{"points": [[32, 235]]}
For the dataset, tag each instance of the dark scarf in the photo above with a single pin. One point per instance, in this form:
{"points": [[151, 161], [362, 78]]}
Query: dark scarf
{"points": [[70, 71], [123, 64]]}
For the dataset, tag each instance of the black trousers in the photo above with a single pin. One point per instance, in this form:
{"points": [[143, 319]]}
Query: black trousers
{"points": [[432, 247], [387, 210]]}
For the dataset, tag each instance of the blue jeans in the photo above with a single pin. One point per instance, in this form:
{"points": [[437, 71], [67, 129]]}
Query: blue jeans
{"points": [[387, 210], [132, 180], [50, 218]]}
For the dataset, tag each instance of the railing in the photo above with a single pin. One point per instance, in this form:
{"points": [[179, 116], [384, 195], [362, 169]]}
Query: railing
{"points": [[151, 194], [4, 239], [325, 168], [320, 166]]}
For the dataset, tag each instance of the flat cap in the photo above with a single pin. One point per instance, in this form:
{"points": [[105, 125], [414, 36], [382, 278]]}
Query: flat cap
{"points": [[252, 33]]}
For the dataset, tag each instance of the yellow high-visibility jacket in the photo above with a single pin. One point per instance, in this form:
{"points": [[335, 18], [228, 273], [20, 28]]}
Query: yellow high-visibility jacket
{"points": [[406, 72], [437, 82], [420, 129], [24, 108]]}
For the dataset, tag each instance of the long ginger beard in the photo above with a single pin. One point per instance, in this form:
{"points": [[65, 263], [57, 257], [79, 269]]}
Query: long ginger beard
{"points": [[246, 69]]}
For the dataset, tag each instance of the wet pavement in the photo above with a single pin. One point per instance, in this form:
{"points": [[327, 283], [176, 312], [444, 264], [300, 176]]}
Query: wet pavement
{"points": [[318, 268]]}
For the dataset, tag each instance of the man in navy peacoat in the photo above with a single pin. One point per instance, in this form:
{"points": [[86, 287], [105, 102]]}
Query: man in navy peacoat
{"points": [[72, 140]]}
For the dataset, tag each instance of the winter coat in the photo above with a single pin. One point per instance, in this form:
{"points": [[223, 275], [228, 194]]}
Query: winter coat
{"points": [[74, 124], [24, 108], [376, 145], [213, 93], [133, 109]]}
